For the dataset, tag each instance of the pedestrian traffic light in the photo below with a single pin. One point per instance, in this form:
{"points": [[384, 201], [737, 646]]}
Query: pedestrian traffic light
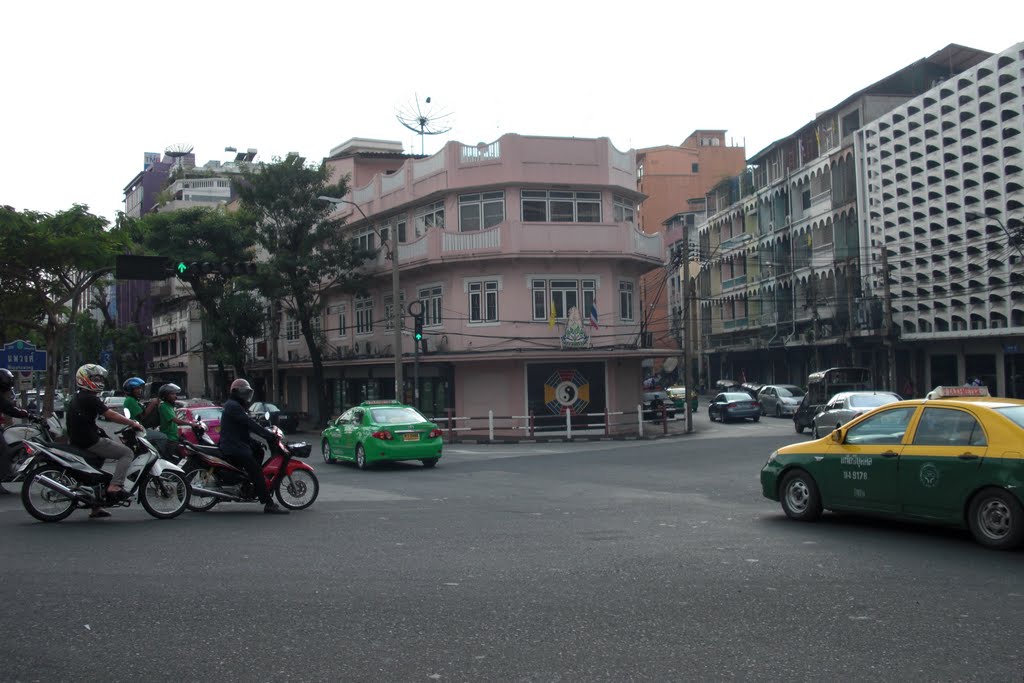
{"points": [[418, 330]]}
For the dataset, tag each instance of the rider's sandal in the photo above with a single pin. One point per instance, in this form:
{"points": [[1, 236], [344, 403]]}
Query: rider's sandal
{"points": [[118, 495]]}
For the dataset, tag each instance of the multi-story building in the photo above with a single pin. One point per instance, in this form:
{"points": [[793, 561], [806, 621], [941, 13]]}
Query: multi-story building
{"points": [[781, 289], [165, 311], [527, 257], [670, 176], [941, 206]]}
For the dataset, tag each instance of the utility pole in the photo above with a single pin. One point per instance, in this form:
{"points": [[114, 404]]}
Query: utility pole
{"points": [[890, 348], [687, 332]]}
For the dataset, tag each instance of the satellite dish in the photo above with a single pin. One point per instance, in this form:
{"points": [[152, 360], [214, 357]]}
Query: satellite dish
{"points": [[424, 121], [670, 364]]}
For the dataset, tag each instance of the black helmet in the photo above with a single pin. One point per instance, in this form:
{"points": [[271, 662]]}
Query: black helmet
{"points": [[241, 391], [6, 380], [168, 389]]}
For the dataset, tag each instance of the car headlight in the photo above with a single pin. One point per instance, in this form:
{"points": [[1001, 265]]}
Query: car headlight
{"points": [[771, 458]]}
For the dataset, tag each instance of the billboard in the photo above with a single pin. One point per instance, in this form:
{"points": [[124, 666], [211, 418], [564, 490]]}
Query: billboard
{"points": [[556, 389]]}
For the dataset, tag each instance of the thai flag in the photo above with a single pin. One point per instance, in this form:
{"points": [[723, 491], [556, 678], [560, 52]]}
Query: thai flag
{"points": [[593, 316]]}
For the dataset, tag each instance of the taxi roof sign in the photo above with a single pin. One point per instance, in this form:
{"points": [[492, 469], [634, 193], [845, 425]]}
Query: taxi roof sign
{"points": [[382, 402], [957, 392]]}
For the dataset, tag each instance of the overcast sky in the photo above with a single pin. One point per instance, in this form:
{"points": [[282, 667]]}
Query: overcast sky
{"points": [[89, 87]]}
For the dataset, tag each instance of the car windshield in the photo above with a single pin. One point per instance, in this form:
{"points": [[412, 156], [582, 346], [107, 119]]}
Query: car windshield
{"points": [[212, 413], [870, 400], [396, 415], [790, 392], [1015, 413]]}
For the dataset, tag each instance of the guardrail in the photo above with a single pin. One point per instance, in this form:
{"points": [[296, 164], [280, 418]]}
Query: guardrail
{"points": [[606, 425]]}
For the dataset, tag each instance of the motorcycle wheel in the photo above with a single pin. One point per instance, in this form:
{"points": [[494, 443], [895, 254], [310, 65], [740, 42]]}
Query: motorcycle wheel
{"points": [[202, 479], [298, 490], [43, 503], [165, 496]]}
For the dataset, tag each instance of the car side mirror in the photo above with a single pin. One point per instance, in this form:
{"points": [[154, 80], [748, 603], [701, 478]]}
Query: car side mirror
{"points": [[837, 435]]}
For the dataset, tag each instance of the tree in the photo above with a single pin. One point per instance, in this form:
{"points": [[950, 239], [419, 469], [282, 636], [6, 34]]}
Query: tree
{"points": [[306, 253], [215, 236], [51, 261]]}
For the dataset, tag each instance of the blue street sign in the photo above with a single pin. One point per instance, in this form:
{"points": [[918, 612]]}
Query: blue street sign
{"points": [[22, 356]]}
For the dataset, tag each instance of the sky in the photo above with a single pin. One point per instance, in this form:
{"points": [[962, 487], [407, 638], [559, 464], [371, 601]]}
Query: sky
{"points": [[90, 87]]}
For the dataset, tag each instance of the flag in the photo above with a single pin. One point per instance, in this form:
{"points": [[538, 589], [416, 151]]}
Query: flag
{"points": [[593, 316], [552, 315]]}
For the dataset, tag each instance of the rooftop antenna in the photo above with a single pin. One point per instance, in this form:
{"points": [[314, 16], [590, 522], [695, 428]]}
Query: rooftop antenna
{"points": [[423, 120], [177, 152]]}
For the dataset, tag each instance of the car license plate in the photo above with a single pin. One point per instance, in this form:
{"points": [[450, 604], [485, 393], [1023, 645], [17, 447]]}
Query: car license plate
{"points": [[410, 437]]}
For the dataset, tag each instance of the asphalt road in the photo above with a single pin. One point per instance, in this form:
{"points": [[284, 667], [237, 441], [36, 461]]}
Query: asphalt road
{"points": [[611, 561]]}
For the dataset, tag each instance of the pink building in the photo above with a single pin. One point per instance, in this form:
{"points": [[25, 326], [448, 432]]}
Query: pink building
{"points": [[527, 257]]}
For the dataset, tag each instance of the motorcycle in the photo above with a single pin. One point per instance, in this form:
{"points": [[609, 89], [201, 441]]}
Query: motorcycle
{"points": [[63, 478], [213, 479], [47, 430]]}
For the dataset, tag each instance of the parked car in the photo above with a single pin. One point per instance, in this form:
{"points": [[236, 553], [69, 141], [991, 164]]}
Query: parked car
{"points": [[847, 405], [287, 421], [733, 405], [924, 460], [780, 400], [210, 414], [115, 403], [653, 401], [751, 388], [382, 430]]}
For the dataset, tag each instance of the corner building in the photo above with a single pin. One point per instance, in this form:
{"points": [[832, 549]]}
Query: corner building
{"points": [[527, 257]]}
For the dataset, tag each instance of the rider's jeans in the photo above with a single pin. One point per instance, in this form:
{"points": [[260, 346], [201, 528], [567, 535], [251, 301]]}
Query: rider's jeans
{"points": [[111, 450]]}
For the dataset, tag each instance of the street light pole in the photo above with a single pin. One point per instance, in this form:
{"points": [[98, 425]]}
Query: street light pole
{"points": [[396, 305]]}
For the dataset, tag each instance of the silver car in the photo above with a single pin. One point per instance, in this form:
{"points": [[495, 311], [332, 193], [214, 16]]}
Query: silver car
{"points": [[780, 400], [847, 405]]}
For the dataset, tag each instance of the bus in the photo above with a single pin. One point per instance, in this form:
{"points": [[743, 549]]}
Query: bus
{"points": [[823, 385]]}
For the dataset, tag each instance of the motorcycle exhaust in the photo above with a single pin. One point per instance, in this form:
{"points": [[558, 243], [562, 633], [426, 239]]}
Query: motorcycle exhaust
{"points": [[60, 488], [220, 495]]}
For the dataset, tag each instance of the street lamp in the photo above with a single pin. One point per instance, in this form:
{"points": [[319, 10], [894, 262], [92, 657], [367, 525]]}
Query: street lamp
{"points": [[396, 307]]}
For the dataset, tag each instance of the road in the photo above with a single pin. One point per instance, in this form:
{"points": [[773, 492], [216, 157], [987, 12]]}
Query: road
{"points": [[609, 561]]}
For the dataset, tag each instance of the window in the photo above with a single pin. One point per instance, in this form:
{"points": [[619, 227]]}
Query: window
{"points": [[483, 301], [947, 427], [389, 310], [337, 323], [366, 239], [561, 206], [432, 302], [564, 294], [694, 168], [430, 216], [364, 316], [625, 209], [385, 232], [885, 428], [625, 300], [291, 329], [481, 210], [850, 122]]}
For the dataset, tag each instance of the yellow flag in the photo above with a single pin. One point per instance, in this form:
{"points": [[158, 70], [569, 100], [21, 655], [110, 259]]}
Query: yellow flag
{"points": [[551, 314]]}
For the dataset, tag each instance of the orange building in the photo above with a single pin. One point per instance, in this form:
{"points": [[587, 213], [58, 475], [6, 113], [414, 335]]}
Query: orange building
{"points": [[671, 176]]}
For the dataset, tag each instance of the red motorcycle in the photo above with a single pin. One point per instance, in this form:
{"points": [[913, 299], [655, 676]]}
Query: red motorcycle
{"points": [[213, 479]]}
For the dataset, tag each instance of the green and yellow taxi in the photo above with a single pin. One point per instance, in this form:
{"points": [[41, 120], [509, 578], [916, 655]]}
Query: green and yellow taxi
{"points": [[382, 430], [953, 458]]}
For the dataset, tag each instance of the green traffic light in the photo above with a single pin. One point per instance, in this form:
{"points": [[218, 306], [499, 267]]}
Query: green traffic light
{"points": [[419, 336], [182, 268]]}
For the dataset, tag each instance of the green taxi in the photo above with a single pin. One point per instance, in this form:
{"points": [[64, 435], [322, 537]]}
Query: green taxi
{"points": [[954, 458], [678, 396], [382, 430]]}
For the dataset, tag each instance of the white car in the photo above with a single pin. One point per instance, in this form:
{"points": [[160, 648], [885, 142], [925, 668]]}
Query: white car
{"points": [[847, 405], [780, 400]]}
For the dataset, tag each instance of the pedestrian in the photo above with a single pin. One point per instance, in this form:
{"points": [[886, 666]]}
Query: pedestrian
{"points": [[908, 389]]}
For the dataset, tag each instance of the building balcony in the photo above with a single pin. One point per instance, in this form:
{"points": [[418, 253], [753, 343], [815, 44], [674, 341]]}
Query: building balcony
{"points": [[523, 240]]}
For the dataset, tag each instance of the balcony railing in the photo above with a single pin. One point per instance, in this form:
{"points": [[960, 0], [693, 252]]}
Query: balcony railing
{"points": [[734, 282], [734, 324]]}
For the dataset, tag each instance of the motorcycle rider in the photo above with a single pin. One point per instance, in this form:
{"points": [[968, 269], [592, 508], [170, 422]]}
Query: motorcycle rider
{"points": [[148, 416], [7, 407], [236, 446], [83, 431], [169, 421]]}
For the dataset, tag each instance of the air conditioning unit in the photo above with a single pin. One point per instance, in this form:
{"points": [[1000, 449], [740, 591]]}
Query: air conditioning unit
{"points": [[356, 349]]}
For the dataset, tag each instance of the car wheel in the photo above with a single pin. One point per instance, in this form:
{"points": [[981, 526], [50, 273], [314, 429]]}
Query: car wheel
{"points": [[798, 427], [996, 519], [711, 415], [325, 448], [756, 418], [763, 411], [430, 462], [778, 411], [361, 462], [800, 497]]}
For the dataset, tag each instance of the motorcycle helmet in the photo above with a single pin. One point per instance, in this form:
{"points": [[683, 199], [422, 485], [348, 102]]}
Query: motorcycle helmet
{"points": [[133, 383], [167, 389], [6, 380], [91, 377], [241, 391]]}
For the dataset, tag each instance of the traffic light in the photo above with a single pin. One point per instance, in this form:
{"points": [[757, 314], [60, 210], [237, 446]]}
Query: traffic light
{"points": [[418, 330], [131, 267], [192, 269]]}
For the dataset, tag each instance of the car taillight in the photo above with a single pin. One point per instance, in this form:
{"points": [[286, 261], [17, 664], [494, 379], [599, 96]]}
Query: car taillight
{"points": [[754, 403], [383, 435], [434, 433], [730, 405]]}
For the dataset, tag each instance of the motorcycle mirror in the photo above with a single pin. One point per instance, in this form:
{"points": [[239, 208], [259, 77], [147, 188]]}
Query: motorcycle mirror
{"points": [[266, 416], [126, 412]]}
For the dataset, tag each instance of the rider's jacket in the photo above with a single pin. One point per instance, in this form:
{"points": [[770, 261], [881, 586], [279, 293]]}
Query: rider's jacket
{"points": [[235, 426]]}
